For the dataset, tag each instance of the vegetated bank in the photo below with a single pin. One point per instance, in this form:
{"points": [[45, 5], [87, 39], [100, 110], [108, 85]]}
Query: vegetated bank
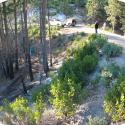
{"points": [[67, 89]]}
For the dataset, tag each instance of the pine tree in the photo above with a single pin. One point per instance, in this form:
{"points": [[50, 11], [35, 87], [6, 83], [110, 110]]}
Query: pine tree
{"points": [[43, 7], [113, 11], [95, 10]]}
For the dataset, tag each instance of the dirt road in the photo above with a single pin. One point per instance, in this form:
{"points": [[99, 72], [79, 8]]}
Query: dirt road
{"points": [[118, 39]]}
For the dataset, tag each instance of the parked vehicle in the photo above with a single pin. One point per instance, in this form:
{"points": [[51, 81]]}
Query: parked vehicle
{"points": [[69, 22]]}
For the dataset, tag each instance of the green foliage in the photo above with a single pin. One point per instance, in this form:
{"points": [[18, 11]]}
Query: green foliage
{"points": [[42, 92], [98, 40], [52, 74], [106, 76], [75, 46], [88, 49], [67, 89], [112, 50], [80, 47], [111, 72], [95, 9], [65, 94], [96, 121], [96, 80], [60, 39], [77, 69], [33, 31], [89, 63], [21, 111], [113, 9], [114, 69], [114, 102], [77, 37], [72, 69], [82, 34]]}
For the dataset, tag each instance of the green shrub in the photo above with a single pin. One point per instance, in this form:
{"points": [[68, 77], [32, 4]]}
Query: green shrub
{"points": [[64, 95], [112, 50], [42, 92], [82, 34], [72, 37], [67, 89], [98, 40], [93, 37], [122, 71], [77, 69], [114, 102], [89, 63], [111, 72], [87, 49], [22, 112], [95, 81], [106, 77], [34, 31], [60, 39], [114, 69], [75, 47], [81, 48], [54, 36], [54, 31], [97, 121], [52, 74], [72, 69]]}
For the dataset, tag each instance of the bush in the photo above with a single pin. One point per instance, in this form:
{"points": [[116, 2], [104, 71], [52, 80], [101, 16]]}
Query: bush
{"points": [[87, 49], [114, 69], [89, 63], [111, 72], [42, 92], [67, 89], [64, 95], [75, 46], [106, 77], [97, 121], [114, 102], [112, 50], [95, 81], [77, 69], [98, 40], [82, 34], [72, 69], [22, 112], [81, 48]]}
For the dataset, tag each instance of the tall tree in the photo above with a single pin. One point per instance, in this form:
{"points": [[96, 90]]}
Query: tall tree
{"points": [[49, 28], [27, 42], [95, 10], [8, 47], [16, 37], [123, 16], [113, 11], [43, 8]]}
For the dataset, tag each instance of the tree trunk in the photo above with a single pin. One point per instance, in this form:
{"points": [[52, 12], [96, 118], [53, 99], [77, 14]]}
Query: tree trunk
{"points": [[16, 37], [43, 34], [2, 52], [50, 49], [27, 44], [11, 71], [9, 62]]}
